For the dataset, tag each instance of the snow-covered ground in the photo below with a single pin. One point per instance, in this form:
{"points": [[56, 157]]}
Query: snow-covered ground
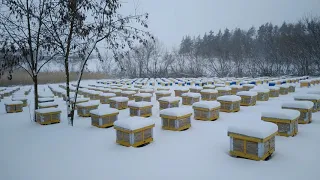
{"points": [[29, 151]]}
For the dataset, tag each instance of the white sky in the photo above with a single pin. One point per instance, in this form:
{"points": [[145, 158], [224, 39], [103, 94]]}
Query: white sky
{"points": [[170, 20]]}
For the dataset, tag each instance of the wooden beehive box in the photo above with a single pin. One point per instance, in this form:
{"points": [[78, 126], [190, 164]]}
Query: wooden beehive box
{"points": [[79, 100], [119, 102], [14, 106], [168, 102], [48, 105], [176, 119], [247, 87], [103, 118], [229, 103], [160, 94], [285, 119], [284, 89], [248, 98], [104, 97], [196, 89], [209, 86], [206, 110], [128, 94], [209, 94], [292, 87], [94, 95], [190, 98], [315, 98], [180, 91], [134, 131], [235, 89], [305, 83], [116, 91], [262, 94], [21, 98], [48, 116], [305, 108], [274, 91], [223, 91], [142, 108], [83, 109], [255, 141], [142, 97]]}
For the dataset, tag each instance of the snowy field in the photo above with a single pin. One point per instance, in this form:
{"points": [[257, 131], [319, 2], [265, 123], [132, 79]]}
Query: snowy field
{"points": [[30, 151]]}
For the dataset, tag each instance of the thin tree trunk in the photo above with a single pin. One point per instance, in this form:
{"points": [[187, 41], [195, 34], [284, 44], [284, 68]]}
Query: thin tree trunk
{"points": [[35, 85]]}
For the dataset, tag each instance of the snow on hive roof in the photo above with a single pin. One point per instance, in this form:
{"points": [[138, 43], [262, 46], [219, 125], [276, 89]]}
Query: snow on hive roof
{"points": [[107, 94], [314, 92], [220, 85], [283, 86], [128, 92], [146, 90], [190, 94], [19, 98], [167, 88], [94, 92], [307, 96], [210, 86], [258, 129], [182, 89], [80, 100], [286, 114], [196, 87], [104, 111], [143, 95], [115, 90], [46, 104], [305, 81], [119, 99], [169, 99], [236, 86], [207, 104], [163, 92], [13, 102], [45, 99], [223, 88], [209, 91], [140, 104], [47, 110], [273, 88], [260, 90], [89, 103], [247, 93], [134, 123], [176, 111], [249, 85], [298, 104], [231, 98]]}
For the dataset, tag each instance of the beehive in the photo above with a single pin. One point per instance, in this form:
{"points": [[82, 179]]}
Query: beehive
{"points": [[235, 89], [136, 90], [274, 91], [21, 98], [42, 100], [229, 103], [305, 83], [248, 98], [247, 87], [222, 91], [209, 94], [160, 94], [128, 94], [285, 119], [284, 89], [83, 109], [168, 102], [134, 131], [142, 97], [151, 91], [209, 86], [206, 110], [119, 102], [163, 89], [48, 105], [255, 141], [196, 89], [79, 100], [103, 118], [48, 116], [176, 119], [310, 97], [190, 98], [262, 94], [180, 91], [104, 97], [305, 108], [94, 95], [142, 108], [292, 87], [14, 106], [116, 91]]}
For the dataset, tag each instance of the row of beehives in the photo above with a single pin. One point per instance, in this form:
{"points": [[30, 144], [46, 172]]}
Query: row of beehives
{"points": [[18, 99]]}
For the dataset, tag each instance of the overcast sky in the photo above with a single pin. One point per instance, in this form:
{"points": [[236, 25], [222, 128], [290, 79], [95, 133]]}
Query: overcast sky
{"points": [[171, 19]]}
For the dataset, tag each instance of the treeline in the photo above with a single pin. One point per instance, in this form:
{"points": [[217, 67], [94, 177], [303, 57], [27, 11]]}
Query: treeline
{"points": [[270, 50]]}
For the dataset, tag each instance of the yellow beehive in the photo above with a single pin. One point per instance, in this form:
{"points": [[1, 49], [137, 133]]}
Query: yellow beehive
{"points": [[209, 94], [48, 116], [222, 91], [310, 97], [142, 108], [83, 109], [79, 100], [292, 88], [168, 102], [103, 118], [119, 102], [229, 103], [247, 87], [134, 131], [206, 110], [128, 94], [176, 119], [262, 94], [14, 106], [248, 98], [196, 89], [104, 97], [284, 89], [285, 119], [180, 91], [235, 89], [274, 91], [21, 98], [190, 98], [255, 141], [305, 108], [160, 94], [142, 97], [305, 83], [48, 105]]}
